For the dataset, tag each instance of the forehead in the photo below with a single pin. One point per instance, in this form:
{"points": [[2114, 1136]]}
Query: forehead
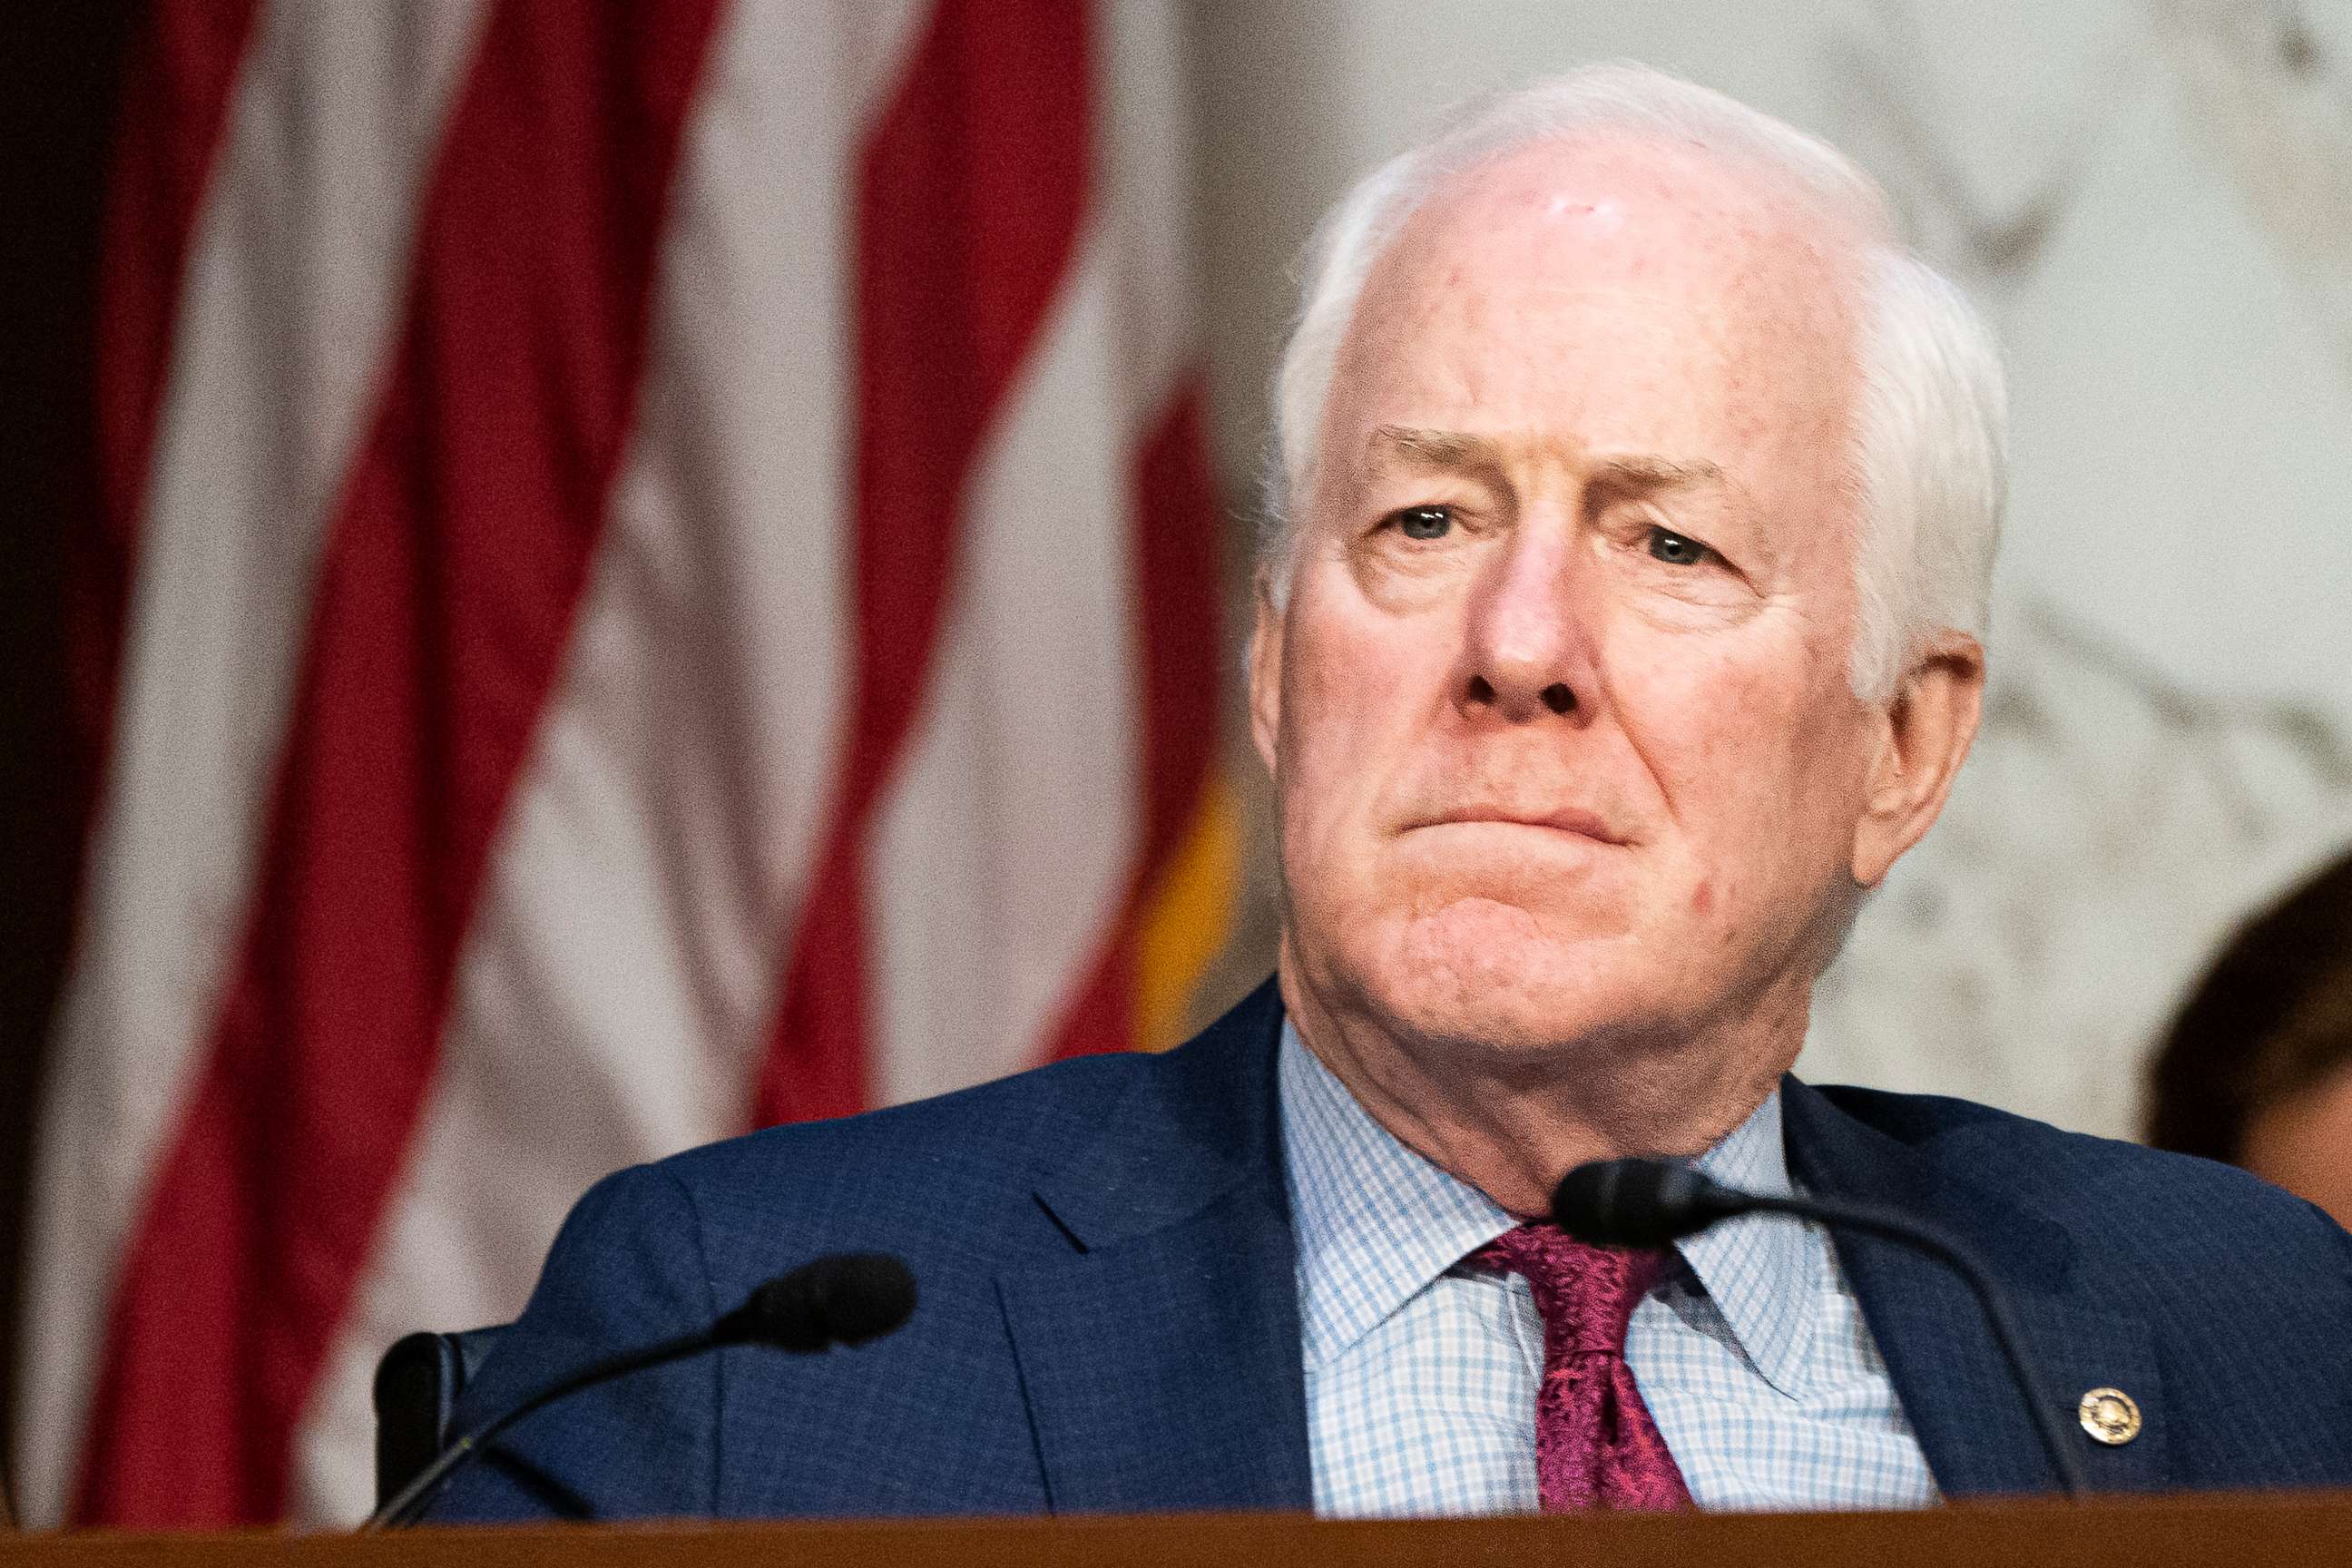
{"points": [[1611, 296]]}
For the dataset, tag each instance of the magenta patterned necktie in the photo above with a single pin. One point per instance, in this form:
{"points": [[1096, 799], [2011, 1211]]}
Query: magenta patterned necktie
{"points": [[1596, 1444]]}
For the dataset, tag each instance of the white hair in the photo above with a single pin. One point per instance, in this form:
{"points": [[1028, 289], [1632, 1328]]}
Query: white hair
{"points": [[1928, 457]]}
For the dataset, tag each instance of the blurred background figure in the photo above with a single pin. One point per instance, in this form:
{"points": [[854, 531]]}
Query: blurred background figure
{"points": [[2257, 1069]]}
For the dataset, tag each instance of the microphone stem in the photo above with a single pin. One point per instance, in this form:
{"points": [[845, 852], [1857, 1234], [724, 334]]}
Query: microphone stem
{"points": [[1889, 1225], [404, 1507]]}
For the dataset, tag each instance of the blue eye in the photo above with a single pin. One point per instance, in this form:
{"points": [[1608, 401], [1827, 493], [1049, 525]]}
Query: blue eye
{"points": [[1424, 521], [1675, 548]]}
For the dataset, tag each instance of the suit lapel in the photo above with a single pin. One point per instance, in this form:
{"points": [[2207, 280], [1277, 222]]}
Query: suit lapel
{"points": [[1955, 1386], [1160, 1359], [1164, 1374]]}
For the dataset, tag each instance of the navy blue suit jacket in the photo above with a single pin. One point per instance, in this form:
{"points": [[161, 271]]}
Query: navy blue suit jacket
{"points": [[1110, 1317]]}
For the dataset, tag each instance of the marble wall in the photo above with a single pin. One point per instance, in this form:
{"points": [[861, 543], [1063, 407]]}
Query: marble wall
{"points": [[2152, 200]]}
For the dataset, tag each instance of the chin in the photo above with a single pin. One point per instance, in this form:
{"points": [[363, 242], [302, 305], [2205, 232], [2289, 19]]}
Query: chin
{"points": [[1494, 976]]}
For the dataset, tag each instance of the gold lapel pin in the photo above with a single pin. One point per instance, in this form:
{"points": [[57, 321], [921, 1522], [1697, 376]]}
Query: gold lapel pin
{"points": [[2109, 1416]]}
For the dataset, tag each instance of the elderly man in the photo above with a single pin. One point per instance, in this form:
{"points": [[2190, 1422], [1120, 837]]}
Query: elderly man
{"points": [[1618, 629]]}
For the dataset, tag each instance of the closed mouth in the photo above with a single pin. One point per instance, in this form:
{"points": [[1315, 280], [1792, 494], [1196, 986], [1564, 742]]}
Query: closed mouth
{"points": [[1583, 823]]}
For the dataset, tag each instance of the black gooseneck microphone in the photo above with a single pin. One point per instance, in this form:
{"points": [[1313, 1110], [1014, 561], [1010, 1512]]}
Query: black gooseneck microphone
{"points": [[1654, 1203], [842, 1297]]}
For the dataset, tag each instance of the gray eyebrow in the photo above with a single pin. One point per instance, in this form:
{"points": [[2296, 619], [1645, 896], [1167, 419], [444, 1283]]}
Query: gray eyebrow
{"points": [[1436, 448], [1658, 473], [1459, 450]]}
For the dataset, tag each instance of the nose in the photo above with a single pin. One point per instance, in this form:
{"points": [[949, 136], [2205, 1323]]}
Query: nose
{"points": [[1528, 650]]}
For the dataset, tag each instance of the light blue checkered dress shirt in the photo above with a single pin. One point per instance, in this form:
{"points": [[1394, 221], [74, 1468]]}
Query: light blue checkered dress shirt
{"points": [[1420, 1375]]}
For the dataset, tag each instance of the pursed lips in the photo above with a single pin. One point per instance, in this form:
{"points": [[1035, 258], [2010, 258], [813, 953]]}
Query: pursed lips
{"points": [[1565, 819]]}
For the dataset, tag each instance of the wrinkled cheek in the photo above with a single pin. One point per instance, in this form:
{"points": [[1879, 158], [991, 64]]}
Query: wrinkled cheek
{"points": [[1726, 908], [1324, 852], [1352, 699], [1716, 736], [1336, 738]]}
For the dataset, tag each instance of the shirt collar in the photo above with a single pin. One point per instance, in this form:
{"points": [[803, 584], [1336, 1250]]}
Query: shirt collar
{"points": [[1765, 1273], [1377, 1224]]}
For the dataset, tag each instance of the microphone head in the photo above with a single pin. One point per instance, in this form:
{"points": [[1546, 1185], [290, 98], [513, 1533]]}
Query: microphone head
{"points": [[842, 1297], [1639, 1203]]}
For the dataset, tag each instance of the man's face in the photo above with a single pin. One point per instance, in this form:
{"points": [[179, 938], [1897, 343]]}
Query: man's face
{"points": [[1558, 710]]}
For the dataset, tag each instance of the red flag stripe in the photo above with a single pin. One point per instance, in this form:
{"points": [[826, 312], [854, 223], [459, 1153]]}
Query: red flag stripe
{"points": [[1176, 583], [971, 189], [179, 82], [442, 605]]}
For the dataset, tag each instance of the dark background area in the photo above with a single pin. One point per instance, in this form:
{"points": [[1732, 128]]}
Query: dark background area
{"points": [[58, 74]]}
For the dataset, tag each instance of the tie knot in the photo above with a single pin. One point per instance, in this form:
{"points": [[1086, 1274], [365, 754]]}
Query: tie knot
{"points": [[1584, 1294]]}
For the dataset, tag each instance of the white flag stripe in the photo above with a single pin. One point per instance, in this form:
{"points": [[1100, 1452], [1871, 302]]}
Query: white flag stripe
{"points": [[875, 38], [614, 995], [1001, 851], [285, 322], [1143, 164]]}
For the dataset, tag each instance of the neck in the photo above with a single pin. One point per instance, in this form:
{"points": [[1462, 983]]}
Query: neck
{"points": [[1512, 1127]]}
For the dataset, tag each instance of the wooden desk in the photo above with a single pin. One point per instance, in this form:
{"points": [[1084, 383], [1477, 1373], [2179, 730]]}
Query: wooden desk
{"points": [[2303, 1530]]}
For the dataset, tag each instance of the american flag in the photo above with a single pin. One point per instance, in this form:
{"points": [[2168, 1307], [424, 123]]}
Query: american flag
{"points": [[655, 573]]}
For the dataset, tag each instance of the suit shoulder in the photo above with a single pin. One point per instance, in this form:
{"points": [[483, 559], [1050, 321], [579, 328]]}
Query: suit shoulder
{"points": [[956, 1179], [2096, 1186], [1007, 1122], [1916, 1118], [1018, 1123]]}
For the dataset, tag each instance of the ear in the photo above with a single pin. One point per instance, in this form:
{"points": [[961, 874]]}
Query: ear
{"points": [[1929, 725], [1266, 674]]}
